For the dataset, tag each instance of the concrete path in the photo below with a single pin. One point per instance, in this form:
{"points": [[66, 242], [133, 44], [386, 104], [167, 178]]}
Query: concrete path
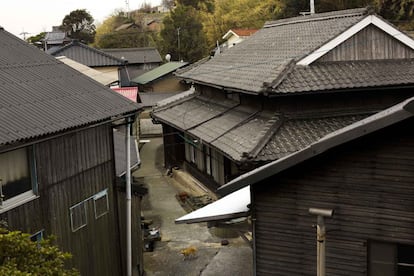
{"points": [[161, 206]]}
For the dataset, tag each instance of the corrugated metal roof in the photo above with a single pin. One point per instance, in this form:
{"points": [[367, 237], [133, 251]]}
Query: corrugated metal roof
{"points": [[159, 72], [86, 55], [136, 55], [130, 93], [101, 77], [40, 95], [260, 59]]}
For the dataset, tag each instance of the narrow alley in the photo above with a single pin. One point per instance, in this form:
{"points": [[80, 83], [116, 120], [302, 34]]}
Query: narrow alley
{"points": [[162, 207]]}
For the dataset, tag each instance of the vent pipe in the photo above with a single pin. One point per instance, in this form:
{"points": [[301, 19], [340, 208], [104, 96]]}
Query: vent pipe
{"points": [[321, 237]]}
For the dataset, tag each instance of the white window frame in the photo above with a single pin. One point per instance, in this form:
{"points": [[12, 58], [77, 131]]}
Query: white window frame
{"points": [[85, 213], [98, 196], [27, 196]]}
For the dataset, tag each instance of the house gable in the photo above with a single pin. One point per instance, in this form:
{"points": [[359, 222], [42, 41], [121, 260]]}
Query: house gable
{"points": [[371, 30]]}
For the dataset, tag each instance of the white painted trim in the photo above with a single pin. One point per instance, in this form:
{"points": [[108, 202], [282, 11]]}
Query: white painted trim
{"points": [[371, 19], [227, 35], [389, 29]]}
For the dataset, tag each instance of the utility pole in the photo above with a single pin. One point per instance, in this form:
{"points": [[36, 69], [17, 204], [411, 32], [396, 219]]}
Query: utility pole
{"points": [[24, 35], [178, 35], [127, 7]]}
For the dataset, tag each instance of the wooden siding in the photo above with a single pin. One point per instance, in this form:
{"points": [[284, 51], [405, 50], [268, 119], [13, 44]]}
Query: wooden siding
{"points": [[71, 169], [368, 44], [163, 85], [174, 151], [370, 185]]}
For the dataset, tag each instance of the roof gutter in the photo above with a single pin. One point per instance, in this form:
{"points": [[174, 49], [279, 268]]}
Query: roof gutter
{"points": [[6, 148], [222, 87]]}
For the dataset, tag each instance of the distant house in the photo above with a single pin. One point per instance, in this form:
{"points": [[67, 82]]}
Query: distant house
{"points": [[154, 25], [94, 58], [57, 159], [55, 39], [128, 26], [271, 96], [235, 36], [139, 60], [161, 79], [364, 174]]}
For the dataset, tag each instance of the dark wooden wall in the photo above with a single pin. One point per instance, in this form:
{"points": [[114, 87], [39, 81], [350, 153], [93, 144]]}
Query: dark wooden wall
{"points": [[370, 185], [70, 169], [174, 151], [368, 44]]}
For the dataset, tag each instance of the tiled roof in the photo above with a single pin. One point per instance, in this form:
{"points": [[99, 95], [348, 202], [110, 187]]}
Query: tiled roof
{"points": [[246, 134], [40, 95], [296, 134], [159, 72], [346, 75], [55, 37], [260, 59], [136, 55], [190, 113], [86, 55]]}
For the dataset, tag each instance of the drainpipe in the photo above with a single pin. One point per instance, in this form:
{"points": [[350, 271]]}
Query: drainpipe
{"points": [[128, 199], [321, 236], [312, 6]]}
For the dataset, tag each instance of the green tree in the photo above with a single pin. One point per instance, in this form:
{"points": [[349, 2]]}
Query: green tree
{"points": [[399, 12], [183, 36], [36, 39], [107, 35], [19, 256], [78, 24], [228, 14]]}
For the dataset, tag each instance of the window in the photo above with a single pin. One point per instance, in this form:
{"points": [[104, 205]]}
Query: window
{"points": [[101, 204], [387, 259], [37, 237], [17, 178], [79, 212], [78, 218]]}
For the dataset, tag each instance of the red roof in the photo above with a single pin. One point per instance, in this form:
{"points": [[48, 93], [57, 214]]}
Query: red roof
{"points": [[128, 92], [244, 32]]}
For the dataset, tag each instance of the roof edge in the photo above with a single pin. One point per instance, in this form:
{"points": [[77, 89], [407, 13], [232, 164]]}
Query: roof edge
{"points": [[319, 17]]}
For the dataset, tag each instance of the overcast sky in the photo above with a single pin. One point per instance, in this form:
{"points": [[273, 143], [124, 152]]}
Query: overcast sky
{"points": [[35, 16]]}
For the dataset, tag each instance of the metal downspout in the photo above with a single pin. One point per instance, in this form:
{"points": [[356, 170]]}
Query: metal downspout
{"points": [[128, 223]]}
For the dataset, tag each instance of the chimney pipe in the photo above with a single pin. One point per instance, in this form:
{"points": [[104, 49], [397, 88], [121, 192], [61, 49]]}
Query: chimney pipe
{"points": [[321, 236]]}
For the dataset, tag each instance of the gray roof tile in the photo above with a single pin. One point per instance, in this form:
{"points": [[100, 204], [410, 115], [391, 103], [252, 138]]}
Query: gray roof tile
{"points": [[346, 75], [296, 134], [40, 95], [245, 134], [86, 55], [190, 113], [263, 56]]}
